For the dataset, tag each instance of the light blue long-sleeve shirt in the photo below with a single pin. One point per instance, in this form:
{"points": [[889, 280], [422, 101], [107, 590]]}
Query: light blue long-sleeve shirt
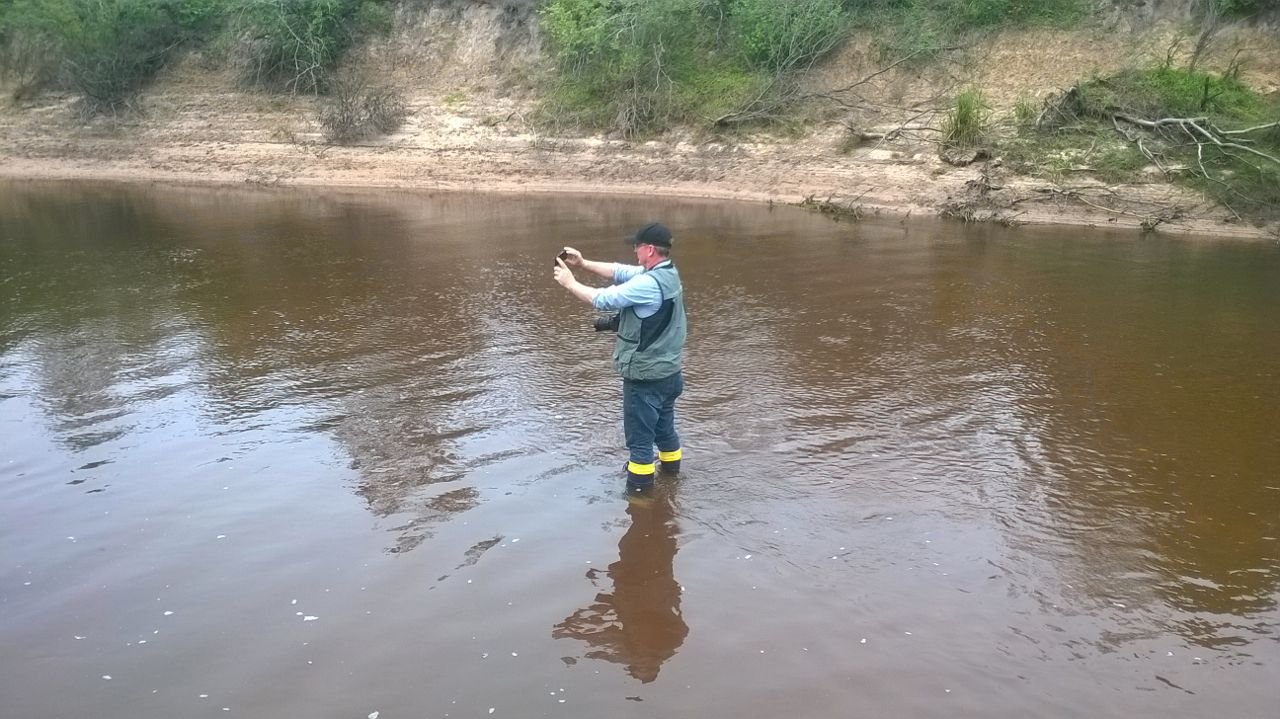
{"points": [[631, 288]]}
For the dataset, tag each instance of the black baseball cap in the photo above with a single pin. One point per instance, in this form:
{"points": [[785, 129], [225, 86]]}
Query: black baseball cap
{"points": [[654, 233]]}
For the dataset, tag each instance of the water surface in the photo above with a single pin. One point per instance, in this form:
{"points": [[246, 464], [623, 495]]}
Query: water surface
{"points": [[329, 454]]}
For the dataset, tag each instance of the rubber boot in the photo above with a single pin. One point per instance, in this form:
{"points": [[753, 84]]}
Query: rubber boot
{"points": [[670, 461], [639, 476]]}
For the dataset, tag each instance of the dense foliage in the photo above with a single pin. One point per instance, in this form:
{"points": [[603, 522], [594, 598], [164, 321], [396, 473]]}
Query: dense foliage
{"points": [[905, 27], [640, 65], [106, 50], [1246, 8], [103, 49], [295, 45]]}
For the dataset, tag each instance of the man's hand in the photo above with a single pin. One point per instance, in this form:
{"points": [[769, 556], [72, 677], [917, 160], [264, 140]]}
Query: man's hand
{"points": [[563, 274], [565, 277], [572, 257]]}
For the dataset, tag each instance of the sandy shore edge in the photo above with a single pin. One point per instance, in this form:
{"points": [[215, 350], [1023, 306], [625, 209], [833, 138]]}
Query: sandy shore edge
{"points": [[879, 182]]}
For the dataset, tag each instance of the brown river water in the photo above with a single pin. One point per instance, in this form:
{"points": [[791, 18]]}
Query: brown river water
{"points": [[325, 454]]}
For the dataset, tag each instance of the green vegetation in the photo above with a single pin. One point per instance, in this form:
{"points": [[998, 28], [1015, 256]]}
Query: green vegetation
{"points": [[777, 36], [1207, 130], [644, 65], [107, 50], [295, 45], [1167, 91], [641, 66], [924, 27], [965, 124], [1025, 110], [1246, 8], [102, 49], [1063, 156]]}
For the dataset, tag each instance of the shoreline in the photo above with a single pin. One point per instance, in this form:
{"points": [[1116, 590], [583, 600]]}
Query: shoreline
{"points": [[468, 100], [1061, 214], [451, 153]]}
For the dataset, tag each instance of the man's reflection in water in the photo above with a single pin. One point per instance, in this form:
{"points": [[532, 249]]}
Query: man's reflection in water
{"points": [[637, 624]]}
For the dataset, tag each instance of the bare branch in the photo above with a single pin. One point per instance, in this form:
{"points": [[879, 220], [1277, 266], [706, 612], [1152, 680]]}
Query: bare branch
{"points": [[1247, 130]]}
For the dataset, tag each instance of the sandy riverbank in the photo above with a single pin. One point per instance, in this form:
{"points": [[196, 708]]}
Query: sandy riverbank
{"points": [[452, 152], [468, 130]]}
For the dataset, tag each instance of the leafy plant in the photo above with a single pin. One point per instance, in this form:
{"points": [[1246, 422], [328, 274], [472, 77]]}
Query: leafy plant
{"points": [[295, 45], [105, 50], [777, 36], [1025, 110], [1205, 130], [965, 124], [636, 64], [923, 27]]}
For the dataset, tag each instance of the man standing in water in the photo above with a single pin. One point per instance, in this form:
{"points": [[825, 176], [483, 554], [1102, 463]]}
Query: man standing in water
{"points": [[649, 300]]}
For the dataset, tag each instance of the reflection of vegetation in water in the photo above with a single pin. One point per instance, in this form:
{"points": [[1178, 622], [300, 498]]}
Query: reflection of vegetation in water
{"points": [[262, 304], [92, 311]]}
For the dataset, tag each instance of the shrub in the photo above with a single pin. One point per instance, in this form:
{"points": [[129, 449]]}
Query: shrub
{"points": [[30, 61], [777, 36], [923, 27], [106, 50], [295, 45], [1246, 8], [1167, 91], [1025, 110], [356, 110], [631, 63], [965, 124]]}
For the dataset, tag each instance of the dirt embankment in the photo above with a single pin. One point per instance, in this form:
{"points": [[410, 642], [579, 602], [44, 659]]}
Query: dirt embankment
{"points": [[471, 74]]}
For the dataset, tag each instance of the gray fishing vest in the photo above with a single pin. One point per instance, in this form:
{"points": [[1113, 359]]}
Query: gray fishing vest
{"points": [[651, 348]]}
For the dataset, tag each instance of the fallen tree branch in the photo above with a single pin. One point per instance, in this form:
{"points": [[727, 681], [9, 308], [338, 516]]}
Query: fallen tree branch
{"points": [[1255, 128], [1193, 123]]}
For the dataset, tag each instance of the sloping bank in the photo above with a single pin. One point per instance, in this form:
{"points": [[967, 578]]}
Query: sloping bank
{"points": [[471, 79]]}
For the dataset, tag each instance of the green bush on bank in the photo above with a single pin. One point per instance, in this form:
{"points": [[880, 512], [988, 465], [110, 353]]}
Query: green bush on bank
{"points": [[923, 27], [781, 35], [1175, 92], [107, 50], [1246, 8], [642, 65], [632, 63], [295, 45]]}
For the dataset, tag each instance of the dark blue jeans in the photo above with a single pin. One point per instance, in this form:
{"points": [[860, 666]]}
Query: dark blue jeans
{"points": [[648, 416]]}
